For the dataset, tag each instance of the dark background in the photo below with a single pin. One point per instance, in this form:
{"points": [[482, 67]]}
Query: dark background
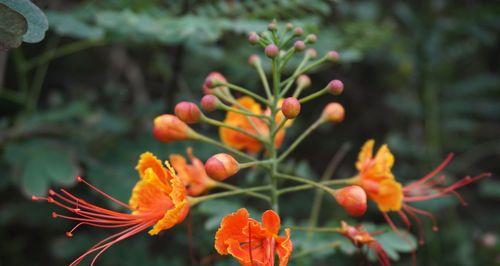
{"points": [[421, 76]]}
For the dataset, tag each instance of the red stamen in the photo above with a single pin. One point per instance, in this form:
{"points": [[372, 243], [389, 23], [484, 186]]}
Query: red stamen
{"points": [[432, 173], [80, 179]]}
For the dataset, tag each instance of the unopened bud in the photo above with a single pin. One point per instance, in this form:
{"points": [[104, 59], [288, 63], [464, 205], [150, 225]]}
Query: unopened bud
{"points": [[311, 38], [335, 87], [333, 56], [352, 199], [272, 26], [290, 107], [209, 103], [271, 50], [299, 46], [289, 26], [333, 112], [298, 31], [211, 81], [253, 38], [187, 112], [312, 53], [253, 59], [168, 128], [303, 81], [221, 166]]}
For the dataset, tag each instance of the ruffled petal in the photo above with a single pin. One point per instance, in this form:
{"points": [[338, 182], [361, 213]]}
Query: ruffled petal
{"points": [[271, 221], [365, 154], [384, 160], [231, 228], [149, 161], [284, 248], [390, 196], [149, 194]]}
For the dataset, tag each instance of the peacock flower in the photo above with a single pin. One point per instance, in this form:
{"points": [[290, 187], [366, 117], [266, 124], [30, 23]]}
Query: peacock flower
{"points": [[376, 178], [252, 125], [158, 200], [193, 175], [253, 243], [360, 237]]}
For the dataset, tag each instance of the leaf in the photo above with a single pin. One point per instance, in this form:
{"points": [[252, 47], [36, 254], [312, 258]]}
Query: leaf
{"points": [[37, 22], [12, 27], [39, 163], [68, 24]]}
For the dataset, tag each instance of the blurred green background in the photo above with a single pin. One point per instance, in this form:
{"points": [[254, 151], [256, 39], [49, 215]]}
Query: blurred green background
{"points": [[421, 76]]}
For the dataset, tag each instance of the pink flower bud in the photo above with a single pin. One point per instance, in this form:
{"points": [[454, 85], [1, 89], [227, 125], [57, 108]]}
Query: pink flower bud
{"points": [[253, 37], [272, 26], [311, 38], [289, 26], [352, 199], [168, 128], [187, 112], [298, 31], [333, 56], [271, 51], [209, 103], [253, 59], [299, 46], [303, 81], [221, 166], [335, 87], [333, 112], [290, 107], [211, 82], [312, 53]]}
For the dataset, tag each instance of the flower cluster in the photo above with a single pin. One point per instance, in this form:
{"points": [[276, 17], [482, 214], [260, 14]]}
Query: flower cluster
{"points": [[253, 134]]}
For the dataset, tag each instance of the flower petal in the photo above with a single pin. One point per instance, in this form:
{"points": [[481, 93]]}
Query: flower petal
{"points": [[365, 154]]}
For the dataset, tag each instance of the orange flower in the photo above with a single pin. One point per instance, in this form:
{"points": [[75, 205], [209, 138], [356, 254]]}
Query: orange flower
{"points": [[360, 237], [376, 178], [193, 175], [158, 200], [253, 243]]}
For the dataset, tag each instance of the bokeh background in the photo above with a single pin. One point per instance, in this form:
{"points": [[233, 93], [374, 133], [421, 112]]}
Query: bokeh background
{"points": [[421, 76]]}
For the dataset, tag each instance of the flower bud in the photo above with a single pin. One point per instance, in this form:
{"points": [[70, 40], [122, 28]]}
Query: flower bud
{"points": [[271, 50], [187, 112], [168, 128], [303, 81], [333, 112], [352, 199], [335, 87], [209, 103], [298, 31], [290, 107], [299, 46], [253, 59], [333, 56], [272, 26], [312, 53], [311, 38], [253, 37], [289, 26], [211, 82], [221, 166]]}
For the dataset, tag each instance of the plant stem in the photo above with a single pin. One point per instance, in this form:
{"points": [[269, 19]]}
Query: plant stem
{"points": [[242, 112], [317, 249], [316, 229], [314, 95], [346, 181], [273, 180], [306, 181], [223, 146], [300, 139], [231, 187], [244, 91], [214, 122], [196, 200], [251, 164]]}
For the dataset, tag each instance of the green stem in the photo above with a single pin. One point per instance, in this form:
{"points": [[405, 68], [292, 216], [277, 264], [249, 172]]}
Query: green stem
{"points": [[316, 229], [244, 91], [300, 139], [223, 146], [242, 112], [263, 78], [193, 201], [304, 70], [306, 181], [231, 187], [314, 95], [251, 164], [295, 74], [346, 181], [317, 249]]}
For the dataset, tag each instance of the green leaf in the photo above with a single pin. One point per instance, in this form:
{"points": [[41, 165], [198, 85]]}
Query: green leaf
{"points": [[39, 163], [68, 24], [12, 27], [37, 22]]}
